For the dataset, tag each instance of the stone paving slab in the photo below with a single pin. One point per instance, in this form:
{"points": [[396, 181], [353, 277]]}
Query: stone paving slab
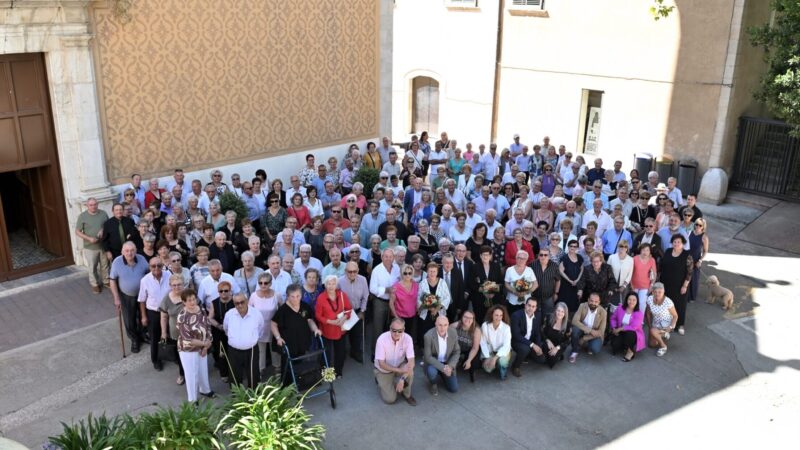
{"points": [[776, 228]]}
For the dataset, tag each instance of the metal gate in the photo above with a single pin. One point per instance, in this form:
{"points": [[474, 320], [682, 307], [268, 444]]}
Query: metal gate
{"points": [[767, 159]]}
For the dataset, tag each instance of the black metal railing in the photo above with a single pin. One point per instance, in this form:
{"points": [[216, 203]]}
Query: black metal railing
{"points": [[767, 159]]}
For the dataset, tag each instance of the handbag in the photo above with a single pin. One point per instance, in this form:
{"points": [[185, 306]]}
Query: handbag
{"points": [[168, 350]]}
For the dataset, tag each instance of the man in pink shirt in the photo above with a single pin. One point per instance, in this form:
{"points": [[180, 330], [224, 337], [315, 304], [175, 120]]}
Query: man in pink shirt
{"points": [[394, 363]]}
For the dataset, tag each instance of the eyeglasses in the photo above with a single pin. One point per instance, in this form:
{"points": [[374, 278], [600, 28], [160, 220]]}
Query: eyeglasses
{"points": [[176, 260], [408, 273], [128, 195], [351, 271], [351, 201], [543, 255], [224, 291], [648, 226], [397, 331], [336, 211], [238, 303], [156, 266], [273, 201], [264, 283], [698, 225]]}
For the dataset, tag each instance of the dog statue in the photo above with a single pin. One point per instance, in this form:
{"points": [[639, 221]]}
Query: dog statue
{"points": [[718, 292]]}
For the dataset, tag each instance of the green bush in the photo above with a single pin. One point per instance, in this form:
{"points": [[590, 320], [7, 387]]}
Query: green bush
{"points": [[93, 433], [188, 427], [269, 417], [368, 177], [229, 201]]}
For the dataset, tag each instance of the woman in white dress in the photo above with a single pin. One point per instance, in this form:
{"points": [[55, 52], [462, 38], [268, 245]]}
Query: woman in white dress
{"points": [[266, 301]]}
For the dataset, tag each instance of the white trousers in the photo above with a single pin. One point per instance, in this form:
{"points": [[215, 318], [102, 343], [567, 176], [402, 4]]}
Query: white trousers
{"points": [[642, 293], [195, 372]]}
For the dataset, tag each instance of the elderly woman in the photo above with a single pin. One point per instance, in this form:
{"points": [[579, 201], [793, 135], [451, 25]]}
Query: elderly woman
{"points": [[676, 273], [644, 274], [231, 228], [516, 245], [287, 246], [591, 230], [519, 271], [496, 341], [375, 250], [223, 251], [274, 217], [498, 245], [544, 214], [427, 242], [523, 202], [459, 233], [175, 268], [548, 180], [556, 253], [311, 287], [169, 233], [662, 317], [194, 340], [403, 299], [312, 203], [299, 211], [431, 284], [180, 214], [199, 269], [276, 190], [455, 164], [358, 192], [171, 306], [622, 267], [192, 210], [598, 278], [626, 328], [556, 334], [215, 218], [247, 276], [698, 249], [266, 301], [466, 181], [423, 210], [241, 242], [332, 310], [350, 209], [148, 246], [435, 230], [468, 334]]}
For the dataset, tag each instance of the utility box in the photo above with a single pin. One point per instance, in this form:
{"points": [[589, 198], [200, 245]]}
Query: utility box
{"points": [[664, 168], [643, 163], [687, 174]]}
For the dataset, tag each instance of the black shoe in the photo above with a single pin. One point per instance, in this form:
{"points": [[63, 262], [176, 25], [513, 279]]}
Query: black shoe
{"points": [[210, 394], [135, 347], [158, 366]]}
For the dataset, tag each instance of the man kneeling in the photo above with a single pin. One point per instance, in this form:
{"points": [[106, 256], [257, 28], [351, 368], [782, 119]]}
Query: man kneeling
{"points": [[394, 363], [441, 356], [526, 335]]}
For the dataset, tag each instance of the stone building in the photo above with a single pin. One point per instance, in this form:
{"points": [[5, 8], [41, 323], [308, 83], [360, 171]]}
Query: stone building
{"points": [[600, 77], [96, 90]]}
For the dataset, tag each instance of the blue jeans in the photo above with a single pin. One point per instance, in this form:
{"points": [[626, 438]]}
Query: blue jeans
{"points": [[450, 383], [593, 345]]}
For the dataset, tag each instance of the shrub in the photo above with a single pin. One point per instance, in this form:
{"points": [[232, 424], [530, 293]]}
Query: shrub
{"points": [[229, 201], [188, 427], [368, 177], [93, 433], [269, 416]]}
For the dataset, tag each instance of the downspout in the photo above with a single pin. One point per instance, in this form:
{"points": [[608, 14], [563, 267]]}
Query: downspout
{"points": [[497, 59]]}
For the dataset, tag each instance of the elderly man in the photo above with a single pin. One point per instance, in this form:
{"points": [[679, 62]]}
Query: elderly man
{"points": [[596, 193], [243, 326], [287, 264], [336, 266], [650, 236], [412, 196], [116, 231], [485, 201], [89, 228], [571, 214], [652, 183], [295, 188], [207, 291], [673, 227], [152, 289], [413, 249], [372, 219], [440, 353], [473, 218], [208, 197], [219, 340], [306, 261], [588, 327], [549, 278], [391, 220], [127, 272], [612, 237], [394, 363], [329, 198], [526, 335], [501, 203], [623, 200], [447, 220], [138, 188], [518, 221], [385, 149], [223, 252], [597, 172], [598, 216], [491, 222], [674, 193], [491, 162], [383, 277], [357, 290], [346, 176], [457, 285], [455, 196]]}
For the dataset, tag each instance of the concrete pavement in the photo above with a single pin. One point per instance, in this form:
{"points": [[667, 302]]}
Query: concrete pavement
{"points": [[731, 381]]}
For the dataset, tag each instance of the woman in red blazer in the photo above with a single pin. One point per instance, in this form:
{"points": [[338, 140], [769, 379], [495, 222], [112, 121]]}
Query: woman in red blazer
{"points": [[332, 310], [516, 244], [626, 328]]}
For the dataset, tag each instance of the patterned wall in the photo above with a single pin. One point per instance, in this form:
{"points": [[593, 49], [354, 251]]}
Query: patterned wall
{"points": [[199, 83]]}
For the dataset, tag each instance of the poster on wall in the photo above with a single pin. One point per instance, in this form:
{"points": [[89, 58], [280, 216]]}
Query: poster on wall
{"points": [[593, 131]]}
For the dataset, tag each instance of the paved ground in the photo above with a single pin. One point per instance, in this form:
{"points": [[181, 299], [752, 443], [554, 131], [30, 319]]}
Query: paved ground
{"points": [[732, 380]]}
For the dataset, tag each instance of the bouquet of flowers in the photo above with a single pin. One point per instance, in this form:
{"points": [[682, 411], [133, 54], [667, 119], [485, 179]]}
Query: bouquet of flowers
{"points": [[522, 286], [489, 289], [430, 301]]}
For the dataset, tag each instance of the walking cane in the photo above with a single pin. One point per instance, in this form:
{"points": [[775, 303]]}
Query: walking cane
{"points": [[121, 337]]}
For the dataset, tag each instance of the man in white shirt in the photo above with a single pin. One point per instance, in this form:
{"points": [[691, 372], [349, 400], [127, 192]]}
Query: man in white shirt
{"points": [[526, 335], [297, 235], [491, 162], [306, 261], [597, 215], [385, 149], [207, 291], [383, 277], [515, 148], [674, 193], [570, 178], [295, 188], [178, 179], [623, 200], [518, 221], [209, 196], [511, 177], [473, 218], [243, 325], [392, 167], [152, 289], [441, 353], [484, 201], [491, 223], [588, 327], [455, 196], [280, 278], [501, 204], [447, 221]]}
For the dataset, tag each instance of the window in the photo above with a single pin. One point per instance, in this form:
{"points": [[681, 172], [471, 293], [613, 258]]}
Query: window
{"points": [[463, 3], [534, 4], [589, 121], [424, 105]]}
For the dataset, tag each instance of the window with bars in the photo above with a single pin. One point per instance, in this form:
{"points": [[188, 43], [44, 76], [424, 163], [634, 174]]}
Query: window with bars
{"points": [[528, 4]]}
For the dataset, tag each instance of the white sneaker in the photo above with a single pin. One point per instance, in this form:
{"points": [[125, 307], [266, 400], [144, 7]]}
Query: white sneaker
{"points": [[681, 331], [662, 351], [666, 335]]}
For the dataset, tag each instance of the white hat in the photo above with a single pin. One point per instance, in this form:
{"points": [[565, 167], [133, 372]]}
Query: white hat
{"points": [[384, 174], [516, 135]]}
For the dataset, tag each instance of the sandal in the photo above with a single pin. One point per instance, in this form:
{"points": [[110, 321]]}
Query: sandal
{"points": [[626, 359], [662, 351], [180, 381]]}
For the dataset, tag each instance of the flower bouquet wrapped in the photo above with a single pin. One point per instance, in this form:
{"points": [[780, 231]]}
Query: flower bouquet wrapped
{"points": [[430, 302], [488, 289], [522, 286]]}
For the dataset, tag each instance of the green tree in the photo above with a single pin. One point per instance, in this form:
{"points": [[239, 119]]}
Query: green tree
{"points": [[659, 10], [780, 86]]}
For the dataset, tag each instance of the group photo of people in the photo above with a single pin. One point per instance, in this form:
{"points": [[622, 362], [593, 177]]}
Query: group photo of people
{"points": [[461, 259]]}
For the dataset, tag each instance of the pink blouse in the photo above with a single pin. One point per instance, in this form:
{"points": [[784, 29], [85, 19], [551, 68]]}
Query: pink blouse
{"points": [[641, 272], [405, 302]]}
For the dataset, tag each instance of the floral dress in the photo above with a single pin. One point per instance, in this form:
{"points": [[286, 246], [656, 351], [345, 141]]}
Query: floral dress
{"points": [[192, 326]]}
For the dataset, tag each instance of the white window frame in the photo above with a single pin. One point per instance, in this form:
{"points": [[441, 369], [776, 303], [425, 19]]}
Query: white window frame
{"points": [[527, 4], [462, 3]]}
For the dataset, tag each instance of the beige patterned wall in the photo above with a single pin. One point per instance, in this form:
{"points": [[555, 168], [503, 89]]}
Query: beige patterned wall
{"points": [[198, 83]]}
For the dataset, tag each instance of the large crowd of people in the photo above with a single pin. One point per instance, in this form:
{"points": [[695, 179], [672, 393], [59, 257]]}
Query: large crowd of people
{"points": [[477, 258]]}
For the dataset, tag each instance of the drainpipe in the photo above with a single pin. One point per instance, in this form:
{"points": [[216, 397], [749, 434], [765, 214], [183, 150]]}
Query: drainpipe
{"points": [[497, 59]]}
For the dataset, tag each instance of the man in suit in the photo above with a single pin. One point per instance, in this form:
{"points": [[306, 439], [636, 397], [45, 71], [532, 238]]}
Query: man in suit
{"points": [[467, 270], [588, 327], [412, 197], [441, 353], [456, 284], [649, 236], [116, 231], [526, 335]]}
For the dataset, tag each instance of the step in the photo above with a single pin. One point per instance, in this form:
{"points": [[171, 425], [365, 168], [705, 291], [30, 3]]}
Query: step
{"points": [[752, 200]]}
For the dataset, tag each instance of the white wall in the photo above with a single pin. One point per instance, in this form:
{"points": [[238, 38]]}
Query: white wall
{"points": [[456, 47]]}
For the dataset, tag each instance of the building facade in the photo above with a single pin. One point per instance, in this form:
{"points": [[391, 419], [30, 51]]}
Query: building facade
{"points": [[600, 77], [99, 90]]}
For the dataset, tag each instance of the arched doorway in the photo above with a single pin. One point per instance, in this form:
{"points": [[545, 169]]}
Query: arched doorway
{"points": [[425, 105]]}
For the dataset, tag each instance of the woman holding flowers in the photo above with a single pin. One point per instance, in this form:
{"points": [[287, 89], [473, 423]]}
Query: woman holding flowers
{"points": [[520, 282], [403, 299], [489, 279], [434, 298]]}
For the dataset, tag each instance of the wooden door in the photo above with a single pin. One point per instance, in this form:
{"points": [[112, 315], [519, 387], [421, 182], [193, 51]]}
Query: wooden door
{"points": [[28, 149], [425, 109]]}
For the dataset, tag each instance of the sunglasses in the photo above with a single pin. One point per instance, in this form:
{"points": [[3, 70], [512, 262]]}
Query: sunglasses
{"points": [[351, 201], [336, 211], [352, 271], [264, 283], [156, 266], [238, 303], [408, 273], [224, 291], [273, 201]]}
